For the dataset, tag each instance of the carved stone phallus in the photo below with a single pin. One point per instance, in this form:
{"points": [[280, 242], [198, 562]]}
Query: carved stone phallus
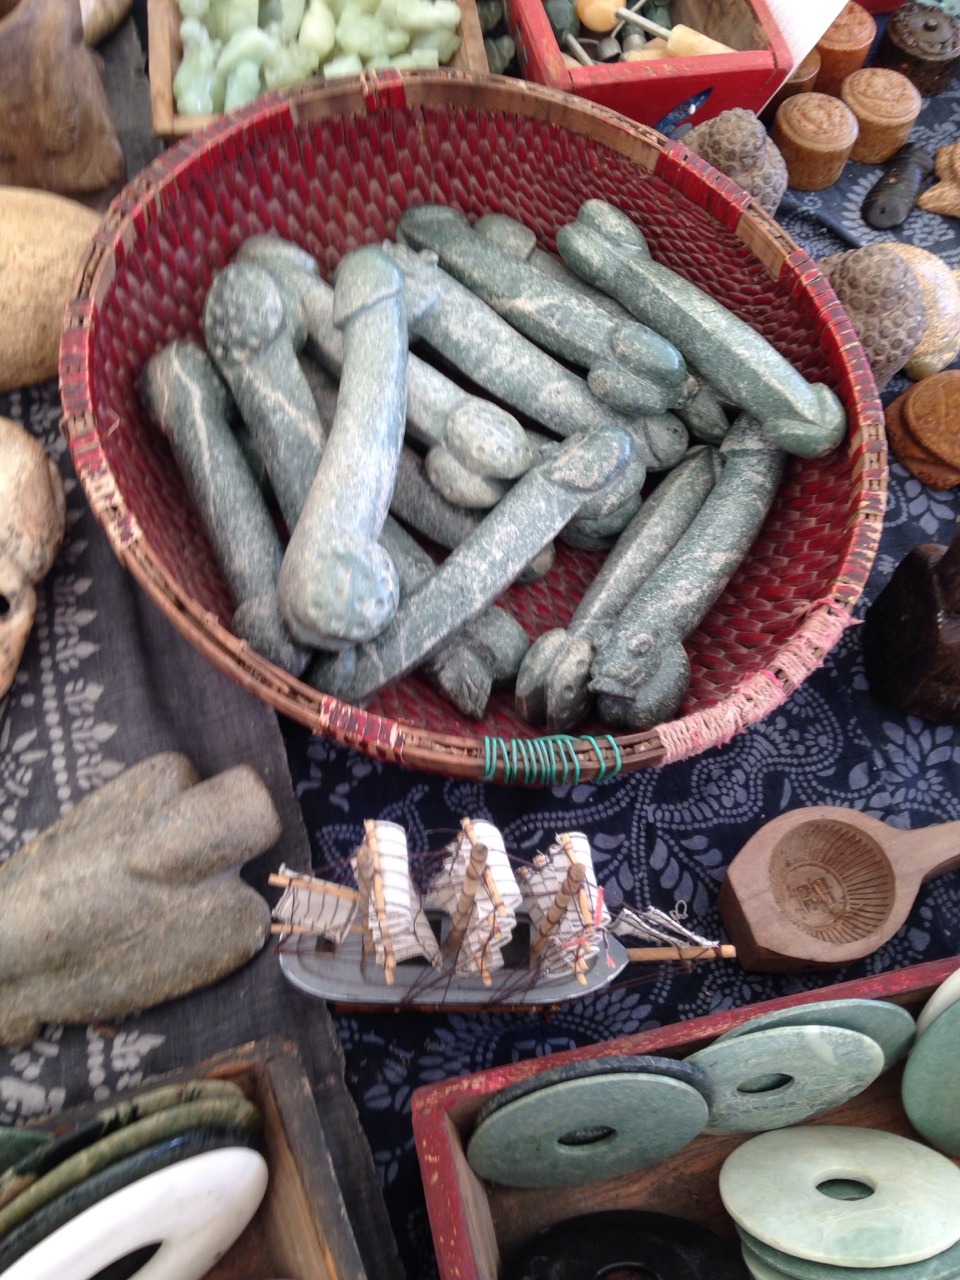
{"points": [[736, 143], [884, 303], [56, 131], [32, 509]]}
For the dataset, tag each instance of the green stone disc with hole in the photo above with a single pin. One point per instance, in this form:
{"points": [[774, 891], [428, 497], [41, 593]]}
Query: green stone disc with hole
{"points": [[945, 995], [586, 1129], [942, 1266], [889, 1024], [931, 1082]]}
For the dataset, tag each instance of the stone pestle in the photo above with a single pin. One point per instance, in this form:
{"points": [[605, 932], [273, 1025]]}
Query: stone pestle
{"points": [[553, 681], [609, 251], [185, 397], [641, 671]]}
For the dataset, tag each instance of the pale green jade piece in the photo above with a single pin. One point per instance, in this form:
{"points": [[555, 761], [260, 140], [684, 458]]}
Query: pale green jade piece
{"points": [[416, 59], [293, 64], [184, 396], [771, 1186], [337, 584], [251, 45], [243, 85], [630, 367], [347, 64], [291, 19], [366, 36], [945, 995], [931, 1082], [318, 31], [889, 1024], [609, 251], [458, 485], [942, 1266], [641, 671], [193, 8], [198, 87], [553, 682], [250, 340], [480, 569], [228, 17], [419, 16], [444, 42], [481, 436], [269, 12]]}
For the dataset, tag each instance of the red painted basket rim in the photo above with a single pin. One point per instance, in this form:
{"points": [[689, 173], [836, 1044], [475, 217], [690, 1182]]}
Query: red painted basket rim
{"points": [[479, 758]]}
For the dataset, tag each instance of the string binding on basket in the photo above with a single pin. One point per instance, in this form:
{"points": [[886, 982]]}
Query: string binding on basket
{"points": [[533, 761]]}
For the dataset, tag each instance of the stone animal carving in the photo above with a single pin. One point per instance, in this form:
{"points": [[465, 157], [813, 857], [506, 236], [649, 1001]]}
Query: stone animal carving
{"points": [[133, 898], [32, 510], [56, 131]]}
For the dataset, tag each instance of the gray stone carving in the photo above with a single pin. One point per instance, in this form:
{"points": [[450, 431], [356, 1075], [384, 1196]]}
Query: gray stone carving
{"points": [[185, 397], [552, 685], [481, 568], [607, 249], [702, 412], [641, 671], [631, 368], [337, 584], [134, 897]]}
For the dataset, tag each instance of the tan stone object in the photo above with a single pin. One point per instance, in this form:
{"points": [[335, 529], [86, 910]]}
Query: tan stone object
{"points": [[32, 509], [940, 287], [944, 196]]}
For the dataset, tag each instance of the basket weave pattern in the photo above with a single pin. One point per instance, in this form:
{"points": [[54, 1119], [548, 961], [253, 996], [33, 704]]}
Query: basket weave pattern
{"points": [[333, 169]]}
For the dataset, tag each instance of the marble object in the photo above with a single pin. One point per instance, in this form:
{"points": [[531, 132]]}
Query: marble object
{"points": [[587, 1122], [186, 398], [56, 131], [931, 1082], [121, 1173], [552, 684], [880, 294], [196, 1209], [783, 1075], [843, 47], [337, 585], [134, 897], [940, 289], [771, 1187], [16, 1143], [487, 652], [944, 196], [923, 44], [641, 671], [252, 342], [235, 1113], [942, 1266], [32, 513], [642, 371], [890, 1025], [480, 569], [886, 105], [606, 248], [736, 143], [893, 197], [945, 995], [626, 1241]]}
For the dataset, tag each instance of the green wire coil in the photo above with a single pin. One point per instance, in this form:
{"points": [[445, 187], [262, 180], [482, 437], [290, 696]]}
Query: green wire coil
{"points": [[538, 761]]}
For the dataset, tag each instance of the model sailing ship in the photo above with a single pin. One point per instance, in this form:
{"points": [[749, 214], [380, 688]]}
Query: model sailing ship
{"points": [[482, 932]]}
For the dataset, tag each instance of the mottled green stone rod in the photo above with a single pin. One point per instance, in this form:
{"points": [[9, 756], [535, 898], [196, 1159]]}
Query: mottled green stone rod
{"points": [[641, 671], [337, 584], [631, 368], [185, 397], [605, 247], [702, 412], [251, 340], [553, 681], [481, 568]]}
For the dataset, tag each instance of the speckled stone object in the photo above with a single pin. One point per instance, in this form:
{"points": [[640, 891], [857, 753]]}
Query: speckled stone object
{"points": [[586, 1123], [890, 1025], [770, 1187], [609, 251], [931, 1082], [641, 671], [784, 1075], [942, 1266], [185, 397], [736, 143], [109, 910]]}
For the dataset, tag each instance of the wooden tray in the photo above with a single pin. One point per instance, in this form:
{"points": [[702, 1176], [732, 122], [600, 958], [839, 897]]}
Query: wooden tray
{"points": [[648, 91], [477, 1225], [165, 52]]}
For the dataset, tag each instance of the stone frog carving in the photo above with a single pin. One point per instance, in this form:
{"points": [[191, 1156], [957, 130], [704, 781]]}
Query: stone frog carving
{"points": [[134, 897], [32, 511], [56, 131]]}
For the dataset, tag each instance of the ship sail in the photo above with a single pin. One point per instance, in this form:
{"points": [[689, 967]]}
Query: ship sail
{"points": [[395, 926], [566, 911], [310, 905]]}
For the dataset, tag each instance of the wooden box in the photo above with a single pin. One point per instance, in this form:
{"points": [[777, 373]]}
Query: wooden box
{"points": [[478, 1225], [165, 51], [651, 91], [301, 1228]]}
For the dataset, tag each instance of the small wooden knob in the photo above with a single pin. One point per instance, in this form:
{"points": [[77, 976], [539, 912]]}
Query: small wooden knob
{"points": [[886, 105], [815, 134], [844, 46]]}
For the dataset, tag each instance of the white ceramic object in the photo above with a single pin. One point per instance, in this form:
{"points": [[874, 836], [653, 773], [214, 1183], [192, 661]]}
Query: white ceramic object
{"points": [[195, 1209], [945, 995]]}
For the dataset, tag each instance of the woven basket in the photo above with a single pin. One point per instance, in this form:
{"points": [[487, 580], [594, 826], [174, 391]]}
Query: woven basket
{"points": [[334, 168]]}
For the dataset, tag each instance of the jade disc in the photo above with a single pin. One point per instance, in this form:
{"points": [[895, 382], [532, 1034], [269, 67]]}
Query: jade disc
{"points": [[931, 1082], [945, 995], [586, 1129], [759, 1269], [785, 1075], [942, 1266], [889, 1024], [772, 1188]]}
